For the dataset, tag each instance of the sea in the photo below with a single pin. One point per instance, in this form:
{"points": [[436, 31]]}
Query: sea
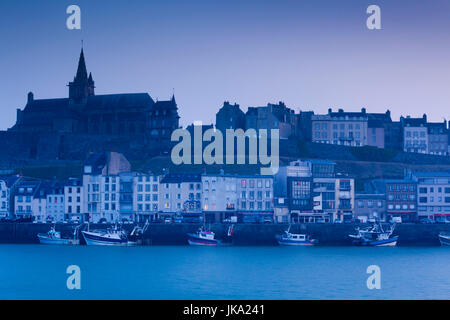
{"points": [[234, 272]]}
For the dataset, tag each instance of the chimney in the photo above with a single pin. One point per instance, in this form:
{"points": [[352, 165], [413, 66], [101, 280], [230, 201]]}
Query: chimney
{"points": [[363, 110], [30, 97], [330, 110], [424, 117]]}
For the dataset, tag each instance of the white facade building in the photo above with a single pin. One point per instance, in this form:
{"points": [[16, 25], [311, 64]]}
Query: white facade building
{"points": [[255, 197], [433, 195], [55, 208], [102, 185], [219, 196], [146, 195], [180, 193], [6, 186], [26, 201], [73, 194]]}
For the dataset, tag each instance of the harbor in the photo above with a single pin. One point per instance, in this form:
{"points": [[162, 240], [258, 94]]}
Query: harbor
{"points": [[228, 272], [243, 234]]}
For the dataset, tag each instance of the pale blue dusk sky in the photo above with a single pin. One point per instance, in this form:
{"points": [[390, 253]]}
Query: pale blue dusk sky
{"points": [[310, 54]]}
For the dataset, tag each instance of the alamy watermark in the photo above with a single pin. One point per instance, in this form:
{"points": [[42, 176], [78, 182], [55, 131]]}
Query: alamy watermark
{"points": [[374, 20], [213, 153], [374, 280], [74, 280], [74, 20]]}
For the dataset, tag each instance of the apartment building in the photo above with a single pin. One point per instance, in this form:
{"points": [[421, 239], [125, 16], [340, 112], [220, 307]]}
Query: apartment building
{"points": [[104, 192], [433, 195], [219, 196], [146, 195], [180, 193], [254, 197], [73, 194]]}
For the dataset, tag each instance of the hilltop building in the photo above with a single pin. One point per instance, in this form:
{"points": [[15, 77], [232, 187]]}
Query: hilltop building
{"points": [[354, 129]]}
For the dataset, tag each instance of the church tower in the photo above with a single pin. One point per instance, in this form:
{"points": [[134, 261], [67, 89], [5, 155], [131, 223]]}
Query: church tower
{"points": [[82, 85]]}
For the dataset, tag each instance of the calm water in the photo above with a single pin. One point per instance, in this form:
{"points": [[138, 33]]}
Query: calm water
{"points": [[183, 272]]}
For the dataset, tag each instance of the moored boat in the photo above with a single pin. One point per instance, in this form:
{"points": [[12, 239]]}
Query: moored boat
{"points": [[375, 236], [109, 237], [294, 239], [444, 238], [54, 237], [202, 238]]}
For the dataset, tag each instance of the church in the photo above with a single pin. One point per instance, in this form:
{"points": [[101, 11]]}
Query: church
{"points": [[85, 113]]}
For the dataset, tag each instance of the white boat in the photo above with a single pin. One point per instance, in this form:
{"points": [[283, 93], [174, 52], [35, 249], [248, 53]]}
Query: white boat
{"points": [[108, 237], [375, 236], [295, 239], [54, 237], [202, 238], [444, 238]]}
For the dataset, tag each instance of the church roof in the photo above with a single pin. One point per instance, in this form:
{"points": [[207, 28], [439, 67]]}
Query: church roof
{"points": [[123, 100], [169, 104], [47, 104]]}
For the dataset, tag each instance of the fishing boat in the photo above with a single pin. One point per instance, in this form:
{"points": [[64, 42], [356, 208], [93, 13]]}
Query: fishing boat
{"points": [[202, 238], [444, 238], [109, 237], [54, 237], [294, 239], [375, 236], [136, 235]]}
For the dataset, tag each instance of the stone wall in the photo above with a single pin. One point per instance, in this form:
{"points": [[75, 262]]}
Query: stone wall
{"points": [[244, 234]]}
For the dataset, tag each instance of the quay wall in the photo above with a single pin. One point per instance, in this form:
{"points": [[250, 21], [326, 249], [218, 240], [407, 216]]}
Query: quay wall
{"points": [[244, 234]]}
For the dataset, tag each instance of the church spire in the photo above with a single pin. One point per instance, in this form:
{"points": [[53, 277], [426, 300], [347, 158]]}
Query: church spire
{"points": [[81, 71], [82, 86]]}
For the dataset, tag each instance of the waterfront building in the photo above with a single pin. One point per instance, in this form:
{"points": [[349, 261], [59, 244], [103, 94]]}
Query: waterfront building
{"points": [[415, 134], [102, 187], [180, 194], [219, 196], [7, 184], [55, 202], [310, 190], [27, 202], [334, 199], [230, 117], [401, 198], [73, 195], [433, 195], [254, 197], [370, 206], [273, 116], [146, 195], [281, 210]]}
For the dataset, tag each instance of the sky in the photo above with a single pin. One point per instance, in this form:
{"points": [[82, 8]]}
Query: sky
{"points": [[312, 55]]}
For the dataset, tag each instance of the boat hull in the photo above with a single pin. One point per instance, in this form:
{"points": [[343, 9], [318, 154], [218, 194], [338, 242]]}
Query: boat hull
{"points": [[391, 242], [294, 243], [44, 239], [196, 241], [282, 241], [445, 240], [93, 239]]}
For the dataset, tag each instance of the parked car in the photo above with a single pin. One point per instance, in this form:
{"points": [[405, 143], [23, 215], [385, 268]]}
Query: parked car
{"points": [[427, 221], [396, 220], [168, 220], [268, 220]]}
